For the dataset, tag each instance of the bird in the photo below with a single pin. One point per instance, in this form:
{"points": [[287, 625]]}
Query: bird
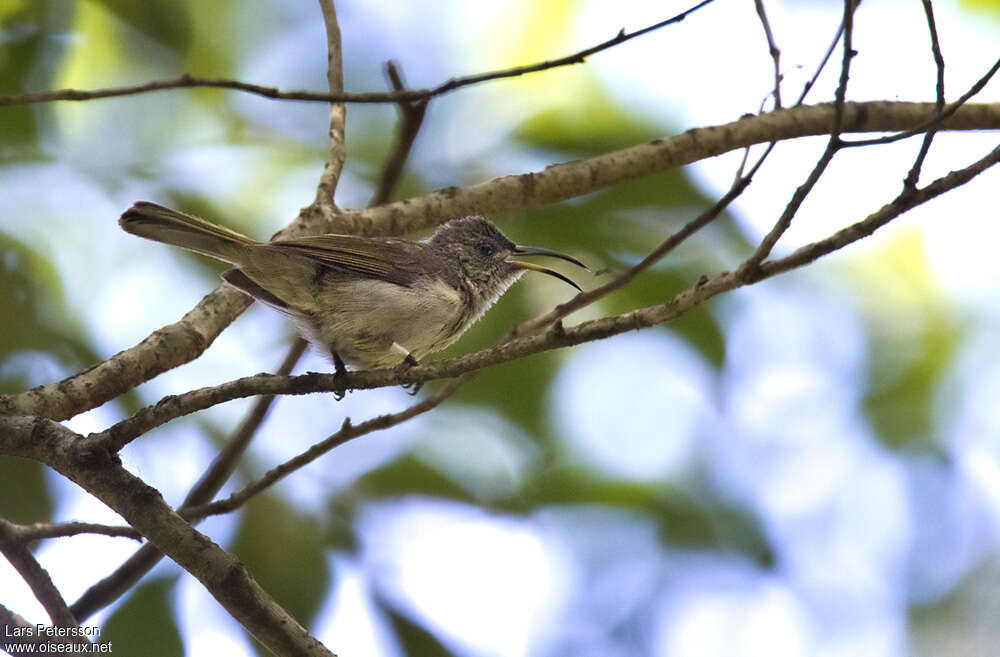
{"points": [[365, 302]]}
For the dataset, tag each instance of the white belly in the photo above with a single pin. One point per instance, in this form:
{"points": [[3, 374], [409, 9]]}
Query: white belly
{"points": [[361, 320]]}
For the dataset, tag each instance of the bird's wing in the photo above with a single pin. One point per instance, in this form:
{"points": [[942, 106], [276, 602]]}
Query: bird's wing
{"points": [[386, 259]]}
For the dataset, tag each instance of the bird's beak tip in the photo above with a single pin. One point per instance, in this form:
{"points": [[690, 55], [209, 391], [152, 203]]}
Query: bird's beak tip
{"points": [[530, 266]]}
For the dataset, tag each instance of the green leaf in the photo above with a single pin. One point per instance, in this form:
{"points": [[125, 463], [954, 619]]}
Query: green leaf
{"points": [[283, 550], [24, 498], [145, 623]]}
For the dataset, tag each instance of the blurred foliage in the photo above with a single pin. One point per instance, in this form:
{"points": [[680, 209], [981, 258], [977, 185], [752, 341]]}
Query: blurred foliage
{"points": [[415, 640], [30, 50], [989, 7], [166, 21], [38, 321], [24, 497], [284, 550], [144, 624], [913, 334], [685, 520]]}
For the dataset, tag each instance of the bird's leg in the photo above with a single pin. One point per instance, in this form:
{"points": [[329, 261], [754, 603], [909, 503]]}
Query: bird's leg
{"points": [[340, 370], [408, 362]]}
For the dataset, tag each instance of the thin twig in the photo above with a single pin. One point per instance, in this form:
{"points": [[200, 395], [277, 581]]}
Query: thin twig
{"points": [[832, 147], [37, 578], [590, 296], [143, 507], [773, 49], [42, 530], [824, 60], [913, 176], [341, 97], [347, 432], [411, 117], [109, 588], [935, 122], [338, 110]]}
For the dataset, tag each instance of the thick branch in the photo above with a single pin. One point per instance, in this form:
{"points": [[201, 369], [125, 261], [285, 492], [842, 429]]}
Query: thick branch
{"points": [[184, 341], [556, 337], [570, 179], [101, 475]]}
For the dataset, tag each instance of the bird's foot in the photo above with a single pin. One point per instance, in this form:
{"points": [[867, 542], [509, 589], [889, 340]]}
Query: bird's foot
{"points": [[408, 362]]}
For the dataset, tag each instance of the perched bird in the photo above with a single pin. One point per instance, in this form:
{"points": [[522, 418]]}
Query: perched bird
{"points": [[368, 302]]}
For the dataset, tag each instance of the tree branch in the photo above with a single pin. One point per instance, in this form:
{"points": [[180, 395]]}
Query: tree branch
{"points": [[100, 474], [110, 588], [184, 341], [773, 50], [560, 182], [411, 118], [338, 96], [338, 110], [37, 578], [142, 561], [347, 432], [556, 337], [9, 619], [913, 176], [833, 145], [42, 530], [676, 239]]}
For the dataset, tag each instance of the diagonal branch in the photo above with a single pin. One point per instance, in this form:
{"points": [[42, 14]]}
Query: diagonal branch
{"points": [[347, 432], [935, 121], [411, 117], [560, 182], [103, 476], [37, 578], [184, 341], [556, 336], [913, 176], [590, 296], [11, 620]]}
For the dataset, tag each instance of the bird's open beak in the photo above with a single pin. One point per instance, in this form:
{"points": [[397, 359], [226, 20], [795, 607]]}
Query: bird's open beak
{"points": [[537, 250]]}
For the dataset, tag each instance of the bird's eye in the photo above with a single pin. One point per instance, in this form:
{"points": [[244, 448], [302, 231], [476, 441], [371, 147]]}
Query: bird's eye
{"points": [[486, 249]]}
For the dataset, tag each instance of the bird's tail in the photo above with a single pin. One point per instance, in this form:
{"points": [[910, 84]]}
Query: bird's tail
{"points": [[161, 224]]}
